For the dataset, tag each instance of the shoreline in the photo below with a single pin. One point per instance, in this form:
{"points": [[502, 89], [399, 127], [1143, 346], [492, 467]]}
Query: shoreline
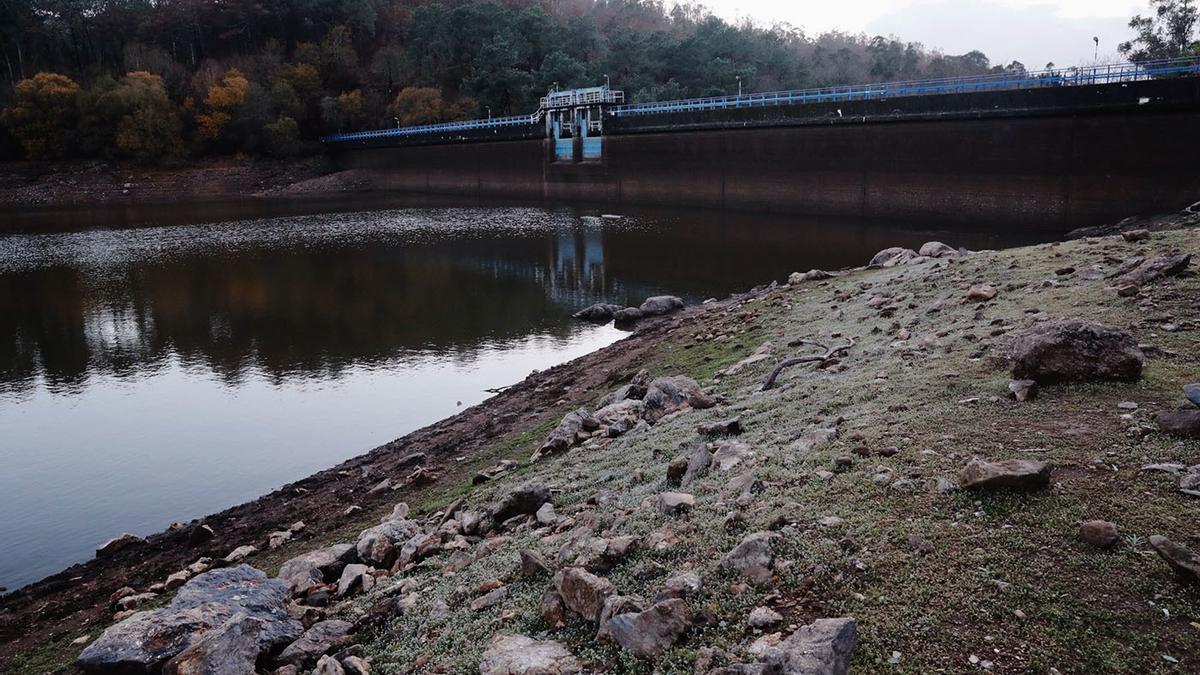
{"points": [[48, 614]]}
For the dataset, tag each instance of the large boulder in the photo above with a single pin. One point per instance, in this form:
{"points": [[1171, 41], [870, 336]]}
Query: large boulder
{"points": [[1013, 474], [601, 312], [891, 257], [230, 649], [661, 304], [651, 633], [526, 499], [1075, 350], [380, 545], [666, 395], [936, 249], [823, 647], [1184, 422], [146, 640], [520, 655]]}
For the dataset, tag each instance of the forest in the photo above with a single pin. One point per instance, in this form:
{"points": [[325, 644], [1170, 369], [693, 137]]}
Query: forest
{"points": [[162, 80]]}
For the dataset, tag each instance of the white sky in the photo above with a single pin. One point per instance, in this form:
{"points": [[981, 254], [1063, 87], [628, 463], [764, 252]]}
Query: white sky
{"points": [[1033, 32]]}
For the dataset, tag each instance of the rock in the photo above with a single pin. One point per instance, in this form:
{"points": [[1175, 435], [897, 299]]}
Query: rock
{"points": [[489, 599], [676, 468], [1154, 269], [1136, 235], [634, 391], [731, 453], [811, 275], [981, 292], [554, 611], [356, 665], [1099, 533], [583, 592], [661, 304], [651, 633], [1012, 474], [1023, 390], [327, 665], [146, 640], [672, 504], [200, 534], [1180, 558], [135, 600], [546, 515], [823, 647], [936, 249], [399, 512], [731, 426], [601, 313], [315, 567], [532, 564], [752, 557], [277, 539], [697, 465], [567, 433], [231, 648], [1192, 393], [321, 638], [614, 605], [1075, 350], [380, 545], [239, 554], [526, 499], [891, 257], [813, 438], [665, 395], [1180, 423], [681, 586], [764, 617], [620, 417], [118, 543], [355, 578], [520, 655], [177, 579], [624, 317]]}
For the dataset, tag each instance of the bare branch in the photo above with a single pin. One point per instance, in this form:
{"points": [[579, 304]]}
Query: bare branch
{"points": [[830, 352]]}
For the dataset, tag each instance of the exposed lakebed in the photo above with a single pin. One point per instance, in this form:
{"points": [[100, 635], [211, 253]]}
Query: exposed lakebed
{"points": [[152, 374]]}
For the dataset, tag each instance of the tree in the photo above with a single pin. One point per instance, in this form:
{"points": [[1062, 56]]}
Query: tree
{"points": [[1165, 35], [223, 98], [44, 114], [149, 126], [283, 138], [424, 105]]}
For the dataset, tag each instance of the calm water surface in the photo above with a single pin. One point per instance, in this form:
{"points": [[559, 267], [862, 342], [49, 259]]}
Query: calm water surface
{"points": [[159, 373]]}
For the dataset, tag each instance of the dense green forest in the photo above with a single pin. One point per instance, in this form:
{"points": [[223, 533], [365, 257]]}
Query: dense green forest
{"points": [[162, 79]]}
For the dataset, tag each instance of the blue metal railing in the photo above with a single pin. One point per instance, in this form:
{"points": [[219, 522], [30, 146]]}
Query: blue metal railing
{"points": [[1122, 72], [443, 128], [1068, 77]]}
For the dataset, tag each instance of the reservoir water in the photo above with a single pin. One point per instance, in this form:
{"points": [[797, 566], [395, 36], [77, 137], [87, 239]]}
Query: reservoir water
{"points": [[159, 371]]}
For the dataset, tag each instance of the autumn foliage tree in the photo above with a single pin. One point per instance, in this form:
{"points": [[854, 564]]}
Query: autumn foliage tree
{"points": [[425, 105], [44, 114]]}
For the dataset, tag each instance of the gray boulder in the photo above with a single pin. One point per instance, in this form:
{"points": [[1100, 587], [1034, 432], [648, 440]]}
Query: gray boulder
{"points": [[321, 638], [1180, 423], [601, 312], [1013, 474], [526, 499], [651, 633], [627, 316], [1075, 350], [936, 249], [567, 432], [520, 655], [665, 395], [1192, 392], [823, 647], [1178, 557], [230, 649], [661, 304], [753, 557], [1154, 269], [891, 257], [582, 592], [315, 567], [379, 545], [811, 275], [146, 640]]}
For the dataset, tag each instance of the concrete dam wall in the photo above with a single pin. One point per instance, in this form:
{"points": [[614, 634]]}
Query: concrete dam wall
{"points": [[1041, 158]]}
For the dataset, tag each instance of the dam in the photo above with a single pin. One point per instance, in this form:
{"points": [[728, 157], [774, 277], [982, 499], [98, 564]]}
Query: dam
{"points": [[1048, 150]]}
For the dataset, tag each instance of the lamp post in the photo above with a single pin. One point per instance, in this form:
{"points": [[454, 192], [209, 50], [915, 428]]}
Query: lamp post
{"points": [[607, 82], [739, 79], [397, 122], [1096, 56], [489, 109]]}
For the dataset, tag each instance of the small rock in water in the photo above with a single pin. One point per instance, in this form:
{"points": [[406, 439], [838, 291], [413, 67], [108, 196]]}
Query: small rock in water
{"points": [[1099, 533]]}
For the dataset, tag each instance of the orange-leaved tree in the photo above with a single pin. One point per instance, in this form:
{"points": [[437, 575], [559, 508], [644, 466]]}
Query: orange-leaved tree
{"points": [[43, 115]]}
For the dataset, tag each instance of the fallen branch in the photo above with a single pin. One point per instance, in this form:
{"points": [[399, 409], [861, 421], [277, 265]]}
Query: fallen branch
{"points": [[830, 352]]}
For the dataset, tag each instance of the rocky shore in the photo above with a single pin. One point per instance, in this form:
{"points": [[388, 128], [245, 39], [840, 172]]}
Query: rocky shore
{"points": [[944, 461]]}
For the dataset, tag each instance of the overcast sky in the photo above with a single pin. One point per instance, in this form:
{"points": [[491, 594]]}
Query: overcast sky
{"points": [[1033, 32]]}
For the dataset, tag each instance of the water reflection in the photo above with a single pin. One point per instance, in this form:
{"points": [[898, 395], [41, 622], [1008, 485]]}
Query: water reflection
{"points": [[160, 373]]}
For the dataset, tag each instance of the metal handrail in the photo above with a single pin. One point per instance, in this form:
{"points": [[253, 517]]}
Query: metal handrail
{"points": [[1122, 72], [1059, 77]]}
